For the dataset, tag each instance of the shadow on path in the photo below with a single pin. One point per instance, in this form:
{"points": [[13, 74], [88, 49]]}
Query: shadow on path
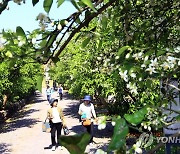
{"points": [[12, 126], [5, 148], [103, 147], [72, 110], [19, 120], [38, 97]]}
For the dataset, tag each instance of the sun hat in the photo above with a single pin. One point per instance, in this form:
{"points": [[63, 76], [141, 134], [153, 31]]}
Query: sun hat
{"points": [[53, 100], [87, 98]]}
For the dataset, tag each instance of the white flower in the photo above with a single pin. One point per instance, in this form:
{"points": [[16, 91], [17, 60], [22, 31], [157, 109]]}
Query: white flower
{"points": [[124, 75], [59, 27], [137, 55], [149, 128], [99, 151], [19, 38], [107, 60], [146, 58], [102, 126], [138, 150], [177, 50], [140, 79], [2, 40], [20, 43], [65, 22], [52, 23], [99, 58], [151, 70], [143, 65], [96, 69], [132, 87], [71, 76], [165, 65], [167, 49], [117, 57], [113, 123], [137, 147], [127, 56], [154, 63], [145, 126], [133, 75], [105, 64], [110, 97], [171, 60], [134, 90], [33, 40], [41, 16], [112, 65], [43, 27], [179, 63]]}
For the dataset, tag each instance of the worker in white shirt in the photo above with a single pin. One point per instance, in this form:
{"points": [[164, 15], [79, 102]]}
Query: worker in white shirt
{"points": [[87, 113]]}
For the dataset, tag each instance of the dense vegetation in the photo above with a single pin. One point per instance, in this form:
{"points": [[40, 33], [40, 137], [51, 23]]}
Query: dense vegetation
{"points": [[18, 71], [125, 54]]}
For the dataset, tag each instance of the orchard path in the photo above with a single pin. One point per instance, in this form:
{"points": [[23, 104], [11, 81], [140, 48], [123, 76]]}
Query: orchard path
{"points": [[22, 134]]}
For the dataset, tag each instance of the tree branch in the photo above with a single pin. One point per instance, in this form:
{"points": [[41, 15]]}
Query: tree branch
{"points": [[86, 21]]}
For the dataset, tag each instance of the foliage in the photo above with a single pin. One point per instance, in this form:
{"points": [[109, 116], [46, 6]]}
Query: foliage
{"points": [[76, 143], [18, 71], [126, 57], [118, 140]]}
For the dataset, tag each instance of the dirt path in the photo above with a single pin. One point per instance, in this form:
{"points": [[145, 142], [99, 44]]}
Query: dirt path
{"points": [[22, 134]]}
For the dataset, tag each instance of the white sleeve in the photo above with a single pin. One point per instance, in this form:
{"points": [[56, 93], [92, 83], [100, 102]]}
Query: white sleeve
{"points": [[93, 111], [80, 109]]}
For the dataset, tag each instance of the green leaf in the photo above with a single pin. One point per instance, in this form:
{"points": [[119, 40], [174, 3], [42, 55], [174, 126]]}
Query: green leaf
{"points": [[85, 42], [99, 44], [121, 50], [8, 54], [60, 2], [78, 36], [104, 22], [74, 3], [42, 43], [120, 131], [47, 5], [89, 4], [137, 117], [149, 83], [76, 143], [3, 6], [39, 83], [20, 32], [178, 118], [78, 21], [52, 38], [34, 2], [159, 53]]}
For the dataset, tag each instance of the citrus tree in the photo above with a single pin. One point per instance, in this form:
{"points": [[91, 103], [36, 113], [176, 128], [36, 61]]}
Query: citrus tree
{"points": [[129, 57], [125, 50], [19, 70]]}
